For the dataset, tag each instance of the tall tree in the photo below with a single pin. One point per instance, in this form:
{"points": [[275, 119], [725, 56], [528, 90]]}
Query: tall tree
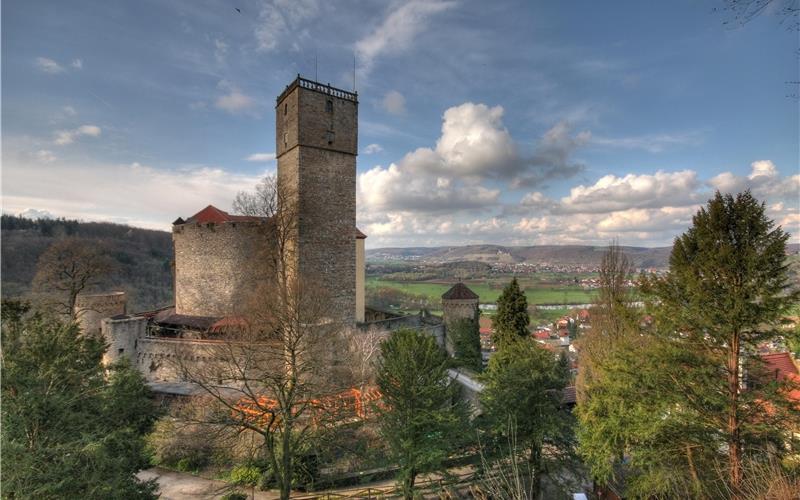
{"points": [[67, 268], [422, 418], [524, 385], [726, 290], [512, 320], [68, 430]]}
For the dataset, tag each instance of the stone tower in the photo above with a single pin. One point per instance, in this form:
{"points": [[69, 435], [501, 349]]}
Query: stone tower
{"points": [[458, 303], [317, 143]]}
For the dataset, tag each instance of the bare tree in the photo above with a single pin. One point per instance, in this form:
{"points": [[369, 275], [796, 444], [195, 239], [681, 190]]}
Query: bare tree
{"points": [[364, 349], [277, 371], [261, 203], [68, 267]]}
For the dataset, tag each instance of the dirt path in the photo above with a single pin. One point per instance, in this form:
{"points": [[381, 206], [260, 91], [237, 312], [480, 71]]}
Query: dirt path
{"points": [[183, 486]]}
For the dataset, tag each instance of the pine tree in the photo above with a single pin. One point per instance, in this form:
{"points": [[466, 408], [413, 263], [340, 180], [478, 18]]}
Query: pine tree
{"points": [[69, 430], [423, 418], [522, 401], [726, 290], [512, 320]]}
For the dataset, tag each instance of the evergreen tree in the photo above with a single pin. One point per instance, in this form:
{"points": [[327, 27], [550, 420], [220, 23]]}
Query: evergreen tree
{"points": [[512, 320], [668, 402], [524, 386], [422, 419], [466, 339], [726, 290], [68, 430]]}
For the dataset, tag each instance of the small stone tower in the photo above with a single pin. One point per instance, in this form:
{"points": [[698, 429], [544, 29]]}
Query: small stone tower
{"points": [[90, 309], [458, 303], [317, 143]]}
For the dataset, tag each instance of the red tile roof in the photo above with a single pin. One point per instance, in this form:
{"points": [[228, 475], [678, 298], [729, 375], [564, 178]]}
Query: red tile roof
{"points": [[541, 335], [779, 366], [217, 216], [212, 214], [459, 291]]}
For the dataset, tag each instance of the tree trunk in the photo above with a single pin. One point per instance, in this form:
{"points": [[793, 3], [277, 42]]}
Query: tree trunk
{"points": [[286, 462], [408, 485], [734, 443]]}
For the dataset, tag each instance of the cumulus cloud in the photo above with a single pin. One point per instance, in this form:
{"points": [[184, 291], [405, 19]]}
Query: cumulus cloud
{"points": [[553, 156], [278, 18], [234, 101], [64, 137], [393, 189], [261, 157], [372, 149], [48, 65], [611, 193], [394, 103], [77, 63], [397, 31], [764, 181]]}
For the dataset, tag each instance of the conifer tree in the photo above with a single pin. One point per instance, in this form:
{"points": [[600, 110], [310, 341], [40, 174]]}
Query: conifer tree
{"points": [[466, 337], [512, 320], [726, 290], [423, 419]]}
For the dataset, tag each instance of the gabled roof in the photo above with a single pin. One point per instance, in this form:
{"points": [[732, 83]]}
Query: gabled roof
{"points": [[779, 366], [217, 216], [459, 291], [360, 235]]}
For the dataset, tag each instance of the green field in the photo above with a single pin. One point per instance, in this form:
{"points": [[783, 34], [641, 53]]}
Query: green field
{"points": [[489, 292]]}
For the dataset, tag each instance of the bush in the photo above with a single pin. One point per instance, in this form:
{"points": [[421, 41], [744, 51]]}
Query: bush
{"points": [[235, 495], [185, 447], [245, 475]]}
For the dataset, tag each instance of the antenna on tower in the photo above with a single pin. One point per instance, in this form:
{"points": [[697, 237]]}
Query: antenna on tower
{"points": [[354, 71], [316, 76]]}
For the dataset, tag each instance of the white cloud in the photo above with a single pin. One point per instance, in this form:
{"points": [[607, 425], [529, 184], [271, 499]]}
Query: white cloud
{"points": [[45, 156], [69, 111], [279, 18], [234, 101], [135, 194], [220, 50], [48, 65], [64, 137], [77, 63], [764, 181], [33, 213], [611, 193], [261, 157], [397, 31], [394, 103], [372, 149], [652, 143]]}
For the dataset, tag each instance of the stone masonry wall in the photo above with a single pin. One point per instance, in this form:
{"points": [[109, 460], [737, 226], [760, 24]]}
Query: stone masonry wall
{"points": [[218, 267], [90, 309], [317, 144], [123, 335]]}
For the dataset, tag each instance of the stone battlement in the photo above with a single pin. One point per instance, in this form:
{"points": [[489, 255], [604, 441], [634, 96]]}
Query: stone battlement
{"points": [[323, 88]]}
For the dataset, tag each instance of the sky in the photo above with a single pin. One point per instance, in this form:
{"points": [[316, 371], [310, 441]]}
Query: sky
{"points": [[507, 122]]}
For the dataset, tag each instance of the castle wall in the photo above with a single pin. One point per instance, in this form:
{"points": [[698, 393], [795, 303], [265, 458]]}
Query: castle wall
{"points": [[361, 272], [218, 267], [90, 309], [123, 335]]}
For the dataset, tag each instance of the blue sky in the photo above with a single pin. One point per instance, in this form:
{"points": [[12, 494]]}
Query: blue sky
{"points": [[480, 122]]}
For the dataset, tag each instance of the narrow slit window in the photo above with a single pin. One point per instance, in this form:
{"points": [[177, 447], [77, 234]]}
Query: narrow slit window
{"points": [[329, 106]]}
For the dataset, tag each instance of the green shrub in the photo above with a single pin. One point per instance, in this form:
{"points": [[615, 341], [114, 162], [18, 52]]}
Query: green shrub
{"points": [[185, 447], [245, 475], [234, 495]]}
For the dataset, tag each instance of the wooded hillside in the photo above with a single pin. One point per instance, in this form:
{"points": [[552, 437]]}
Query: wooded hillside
{"points": [[142, 258]]}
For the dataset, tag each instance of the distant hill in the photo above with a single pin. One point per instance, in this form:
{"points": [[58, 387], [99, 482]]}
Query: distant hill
{"points": [[556, 255], [143, 257]]}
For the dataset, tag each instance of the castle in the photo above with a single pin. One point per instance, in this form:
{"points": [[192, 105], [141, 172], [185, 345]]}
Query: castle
{"points": [[220, 259]]}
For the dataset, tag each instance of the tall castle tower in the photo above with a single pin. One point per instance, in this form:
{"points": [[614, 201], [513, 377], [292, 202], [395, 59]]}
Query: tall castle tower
{"points": [[317, 143]]}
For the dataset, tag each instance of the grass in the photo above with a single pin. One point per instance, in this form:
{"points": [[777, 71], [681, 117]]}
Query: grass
{"points": [[489, 292]]}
